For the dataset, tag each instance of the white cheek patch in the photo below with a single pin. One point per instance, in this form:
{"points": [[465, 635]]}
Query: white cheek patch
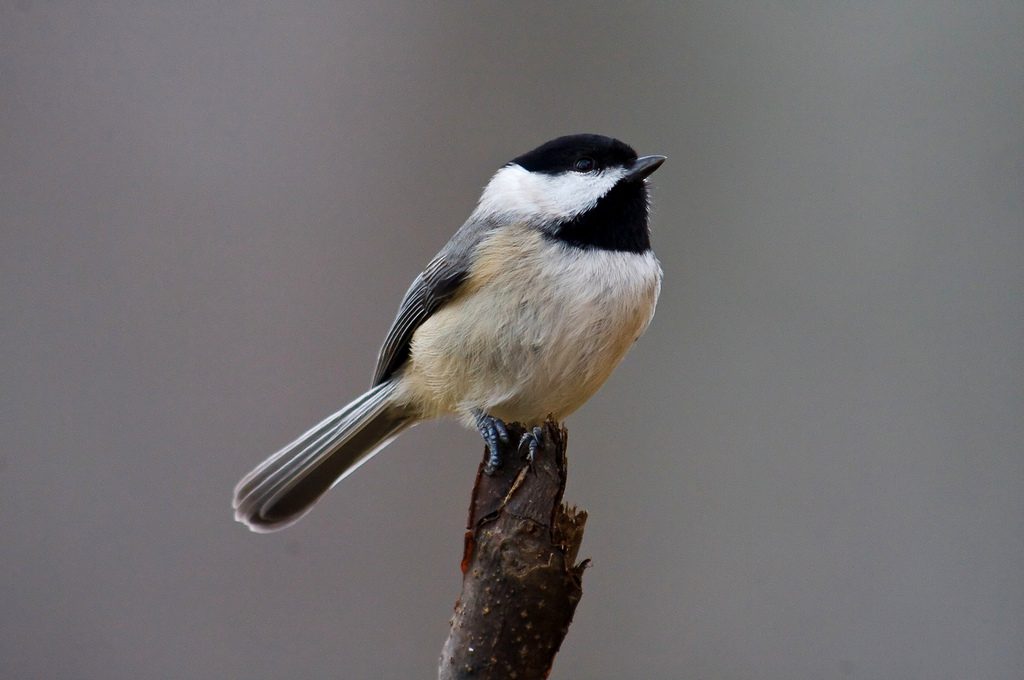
{"points": [[515, 193]]}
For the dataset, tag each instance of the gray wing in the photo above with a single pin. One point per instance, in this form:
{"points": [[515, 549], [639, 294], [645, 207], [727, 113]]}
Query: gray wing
{"points": [[438, 283]]}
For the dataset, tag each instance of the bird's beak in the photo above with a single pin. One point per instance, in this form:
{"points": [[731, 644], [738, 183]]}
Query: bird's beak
{"points": [[642, 167]]}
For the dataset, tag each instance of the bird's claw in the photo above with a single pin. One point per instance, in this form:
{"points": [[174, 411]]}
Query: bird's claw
{"points": [[494, 433], [533, 439]]}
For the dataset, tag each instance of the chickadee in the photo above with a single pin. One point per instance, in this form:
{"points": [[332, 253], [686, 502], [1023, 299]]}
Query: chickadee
{"points": [[522, 315]]}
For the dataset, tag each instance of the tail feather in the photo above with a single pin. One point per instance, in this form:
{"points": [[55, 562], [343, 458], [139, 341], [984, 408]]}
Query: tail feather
{"points": [[285, 486]]}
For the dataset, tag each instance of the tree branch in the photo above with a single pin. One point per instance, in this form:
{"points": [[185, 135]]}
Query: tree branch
{"points": [[520, 583]]}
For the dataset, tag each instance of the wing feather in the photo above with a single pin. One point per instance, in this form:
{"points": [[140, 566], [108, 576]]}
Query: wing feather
{"points": [[438, 283]]}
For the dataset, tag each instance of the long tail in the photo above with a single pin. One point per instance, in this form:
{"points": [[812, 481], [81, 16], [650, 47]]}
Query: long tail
{"points": [[285, 486]]}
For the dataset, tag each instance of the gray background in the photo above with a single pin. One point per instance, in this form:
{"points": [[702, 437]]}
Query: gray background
{"points": [[810, 467]]}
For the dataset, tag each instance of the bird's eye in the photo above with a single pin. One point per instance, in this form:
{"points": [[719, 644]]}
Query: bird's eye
{"points": [[584, 165]]}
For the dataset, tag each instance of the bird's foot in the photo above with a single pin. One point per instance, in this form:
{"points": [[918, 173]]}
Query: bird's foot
{"points": [[494, 433], [532, 439]]}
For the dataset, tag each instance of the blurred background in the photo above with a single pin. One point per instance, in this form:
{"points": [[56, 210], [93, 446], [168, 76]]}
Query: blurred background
{"points": [[812, 466]]}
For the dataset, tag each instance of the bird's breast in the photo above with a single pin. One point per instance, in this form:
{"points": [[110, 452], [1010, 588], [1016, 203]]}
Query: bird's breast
{"points": [[536, 328]]}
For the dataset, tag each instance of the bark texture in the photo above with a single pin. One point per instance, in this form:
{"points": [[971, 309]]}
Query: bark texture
{"points": [[521, 583]]}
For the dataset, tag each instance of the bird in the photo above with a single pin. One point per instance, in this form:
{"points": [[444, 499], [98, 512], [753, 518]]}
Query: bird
{"points": [[520, 317]]}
